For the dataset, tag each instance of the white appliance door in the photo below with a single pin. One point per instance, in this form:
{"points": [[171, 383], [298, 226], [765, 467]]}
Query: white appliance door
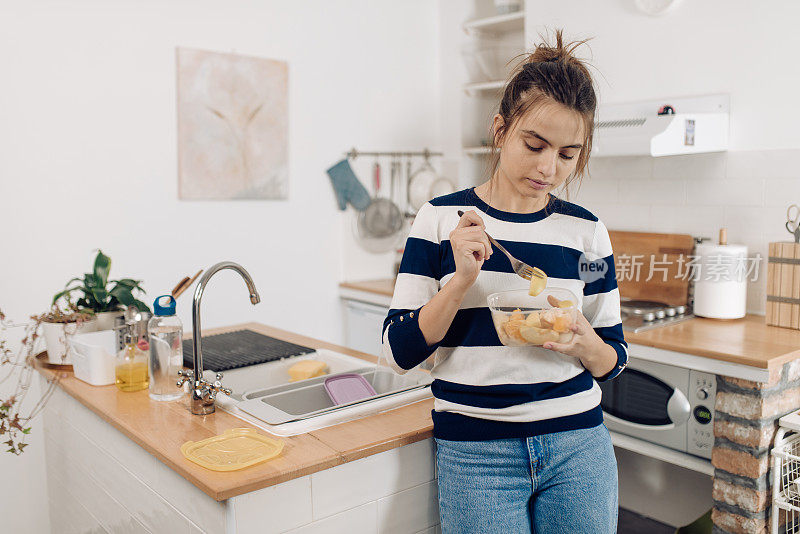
{"points": [[649, 401], [363, 326]]}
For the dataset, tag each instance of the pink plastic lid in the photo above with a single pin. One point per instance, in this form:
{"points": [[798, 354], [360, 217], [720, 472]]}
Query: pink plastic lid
{"points": [[348, 387]]}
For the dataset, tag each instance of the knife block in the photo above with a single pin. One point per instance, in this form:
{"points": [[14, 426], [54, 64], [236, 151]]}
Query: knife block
{"points": [[783, 285]]}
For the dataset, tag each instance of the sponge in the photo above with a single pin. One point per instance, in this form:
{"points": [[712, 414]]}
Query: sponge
{"points": [[307, 369]]}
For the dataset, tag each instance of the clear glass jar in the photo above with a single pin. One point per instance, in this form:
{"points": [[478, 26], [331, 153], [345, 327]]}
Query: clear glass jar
{"points": [[165, 331]]}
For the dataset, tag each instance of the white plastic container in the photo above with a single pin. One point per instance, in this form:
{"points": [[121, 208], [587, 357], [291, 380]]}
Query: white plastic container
{"points": [[93, 357]]}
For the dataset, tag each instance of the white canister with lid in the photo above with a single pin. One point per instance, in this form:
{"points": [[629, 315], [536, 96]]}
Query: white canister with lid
{"points": [[720, 287]]}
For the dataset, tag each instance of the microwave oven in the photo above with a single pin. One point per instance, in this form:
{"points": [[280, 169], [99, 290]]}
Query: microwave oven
{"points": [[663, 404]]}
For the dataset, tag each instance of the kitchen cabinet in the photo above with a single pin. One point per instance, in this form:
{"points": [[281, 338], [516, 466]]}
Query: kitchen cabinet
{"points": [[99, 480], [114, 465]]}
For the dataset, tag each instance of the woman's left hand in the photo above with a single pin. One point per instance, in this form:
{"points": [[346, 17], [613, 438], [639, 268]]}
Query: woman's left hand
{"points": [[595, 354], [585, 343]]}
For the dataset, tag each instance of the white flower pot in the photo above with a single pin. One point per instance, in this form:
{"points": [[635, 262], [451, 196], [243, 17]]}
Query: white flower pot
{"points": [[105, 320], [55, 337]]}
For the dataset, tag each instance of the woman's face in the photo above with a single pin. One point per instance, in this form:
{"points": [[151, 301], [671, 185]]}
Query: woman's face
{"points": [[541, 150]]}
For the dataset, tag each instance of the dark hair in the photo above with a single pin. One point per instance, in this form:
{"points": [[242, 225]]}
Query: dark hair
{"points": [[549, 73]]}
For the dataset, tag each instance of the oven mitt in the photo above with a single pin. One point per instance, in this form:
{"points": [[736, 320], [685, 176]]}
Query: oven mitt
{"points": [[347, 187]]}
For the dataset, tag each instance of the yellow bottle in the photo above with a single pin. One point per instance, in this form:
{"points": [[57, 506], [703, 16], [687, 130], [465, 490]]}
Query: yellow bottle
{"points": [[131, 367]]}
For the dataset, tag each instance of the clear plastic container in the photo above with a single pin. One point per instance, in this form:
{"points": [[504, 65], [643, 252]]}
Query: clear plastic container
{"points": [[523, 320], [234, 449], [166, 350]]}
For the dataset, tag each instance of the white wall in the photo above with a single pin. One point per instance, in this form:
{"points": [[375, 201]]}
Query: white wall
{"points": [[718, 46], [746, 49], [88, 159]]}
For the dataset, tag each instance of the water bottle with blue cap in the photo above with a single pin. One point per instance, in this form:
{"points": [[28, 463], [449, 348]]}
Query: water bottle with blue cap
{"points": [[166, 349]]}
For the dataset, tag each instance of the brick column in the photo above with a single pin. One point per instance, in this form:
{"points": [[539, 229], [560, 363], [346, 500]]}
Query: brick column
{"points": [[747, 416]]}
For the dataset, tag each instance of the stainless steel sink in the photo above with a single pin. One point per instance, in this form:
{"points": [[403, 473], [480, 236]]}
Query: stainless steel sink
{"points": [[307, 398], [262, 395]]}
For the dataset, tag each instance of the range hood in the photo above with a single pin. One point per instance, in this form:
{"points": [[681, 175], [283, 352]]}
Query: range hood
{"points": [[699, 124]]}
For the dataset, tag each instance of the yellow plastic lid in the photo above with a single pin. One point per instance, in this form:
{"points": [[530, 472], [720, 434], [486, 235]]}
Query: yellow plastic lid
{"points": [[236, 448]]}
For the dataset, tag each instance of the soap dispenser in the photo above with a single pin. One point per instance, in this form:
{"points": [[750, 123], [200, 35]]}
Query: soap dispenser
{"points": [[131, 365]]}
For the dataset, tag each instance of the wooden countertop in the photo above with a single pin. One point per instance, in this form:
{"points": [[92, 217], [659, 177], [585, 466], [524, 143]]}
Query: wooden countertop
{"points": [[383, 286], [746, 341], [162, 427]]}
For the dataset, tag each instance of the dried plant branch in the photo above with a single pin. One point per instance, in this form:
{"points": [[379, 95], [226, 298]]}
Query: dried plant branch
{"points": [[16, 367]]}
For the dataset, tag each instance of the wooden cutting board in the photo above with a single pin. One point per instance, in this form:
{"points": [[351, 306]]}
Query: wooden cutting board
{"points": [[662, 258]]}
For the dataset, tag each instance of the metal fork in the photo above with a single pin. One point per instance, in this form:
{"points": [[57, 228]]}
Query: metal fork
{"points": [[520, 267]]}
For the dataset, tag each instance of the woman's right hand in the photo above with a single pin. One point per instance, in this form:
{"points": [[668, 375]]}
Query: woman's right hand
{"points": [[471, 248]]}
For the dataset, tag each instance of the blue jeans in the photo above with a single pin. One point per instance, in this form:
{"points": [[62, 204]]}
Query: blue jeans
{"points": [[564, 482]]}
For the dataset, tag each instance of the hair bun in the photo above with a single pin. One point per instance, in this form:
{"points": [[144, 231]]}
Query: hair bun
{"points": [[546, 53]]}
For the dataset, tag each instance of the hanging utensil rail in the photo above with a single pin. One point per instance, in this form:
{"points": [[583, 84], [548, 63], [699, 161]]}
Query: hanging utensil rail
{"points": [[354, 153]]}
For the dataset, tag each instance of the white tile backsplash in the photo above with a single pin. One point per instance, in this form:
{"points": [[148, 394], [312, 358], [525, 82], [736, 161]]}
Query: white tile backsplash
{"points": [[621, 168], [70, 516], [632, 217], [781, 192], [748, 164], [722, 192], [86, 459], [745, 222], [361, 519], [393, 516], [347, 485], [704, 221], [604, 189], [711, 166], [769, 164], [646, 191], [408, 466], [170, 486], [274, 509], [746, 191]]}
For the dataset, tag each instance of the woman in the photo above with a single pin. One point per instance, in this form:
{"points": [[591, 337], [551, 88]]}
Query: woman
{"points": [[520, 440]]}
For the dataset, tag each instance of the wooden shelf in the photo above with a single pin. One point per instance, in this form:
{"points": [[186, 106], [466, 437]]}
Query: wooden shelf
{"points": [[478, 87], [510, 22]]}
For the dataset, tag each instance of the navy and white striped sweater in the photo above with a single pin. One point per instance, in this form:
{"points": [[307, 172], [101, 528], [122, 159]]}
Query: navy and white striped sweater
{"points": [[482, 389]]}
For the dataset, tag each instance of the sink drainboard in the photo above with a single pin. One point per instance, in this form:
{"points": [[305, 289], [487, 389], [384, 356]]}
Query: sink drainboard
{"points": [[241, 348]]}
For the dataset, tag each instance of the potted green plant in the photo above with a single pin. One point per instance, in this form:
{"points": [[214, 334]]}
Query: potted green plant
{"points": [[57, 325], [98, 299]]}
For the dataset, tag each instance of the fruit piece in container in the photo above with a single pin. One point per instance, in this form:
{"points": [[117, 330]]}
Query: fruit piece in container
{"points": [[561, 324], [538, 336], [565, 304], [306, 369], [537, 285], [533, 319], [547, 318], [512, 328], [516, 315]]}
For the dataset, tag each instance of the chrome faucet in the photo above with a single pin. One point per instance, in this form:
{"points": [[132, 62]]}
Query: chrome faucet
{"points": [[204, 393]]}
